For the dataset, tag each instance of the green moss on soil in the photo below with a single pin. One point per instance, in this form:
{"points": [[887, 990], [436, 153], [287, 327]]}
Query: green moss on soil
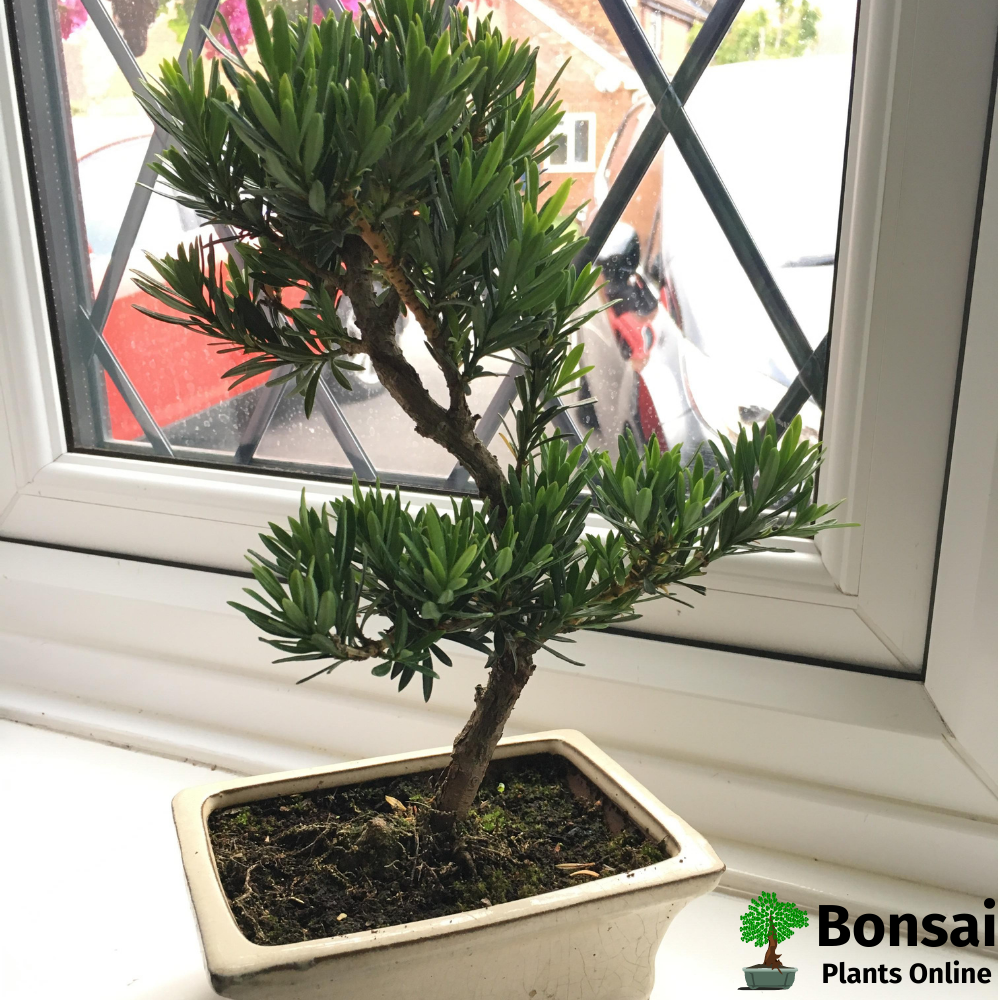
{"points": [[345, 859]]}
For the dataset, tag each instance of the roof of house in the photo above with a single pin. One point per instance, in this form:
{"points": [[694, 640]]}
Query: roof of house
{"points": [[589, 17], [584, 25], [687, 11]]}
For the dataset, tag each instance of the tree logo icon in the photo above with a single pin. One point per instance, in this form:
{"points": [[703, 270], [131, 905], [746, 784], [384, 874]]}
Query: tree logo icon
{"points": [[769, 922]]}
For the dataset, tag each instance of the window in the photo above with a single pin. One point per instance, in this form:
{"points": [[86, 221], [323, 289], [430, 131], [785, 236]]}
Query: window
{"points": [[723, 253], [136, 652], [575, 143], [668, 363]]}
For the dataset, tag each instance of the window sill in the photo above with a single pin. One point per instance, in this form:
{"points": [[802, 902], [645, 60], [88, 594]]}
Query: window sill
{"points": [[210, 516], [150, 656], [135, 937]]}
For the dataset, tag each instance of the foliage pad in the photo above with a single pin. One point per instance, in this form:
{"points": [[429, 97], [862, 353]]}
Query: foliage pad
{"points": [[766, 917], [395, 161]]}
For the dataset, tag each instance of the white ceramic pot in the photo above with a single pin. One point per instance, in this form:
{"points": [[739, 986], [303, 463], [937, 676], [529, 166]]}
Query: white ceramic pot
{"points": [[596, 941]]}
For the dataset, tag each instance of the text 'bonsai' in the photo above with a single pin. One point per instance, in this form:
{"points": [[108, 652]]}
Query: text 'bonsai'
{"points": [[395, 161]]}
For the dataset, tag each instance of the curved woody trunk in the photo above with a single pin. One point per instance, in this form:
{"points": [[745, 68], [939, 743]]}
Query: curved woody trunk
{"points": [[475, 744], [772, 960]]}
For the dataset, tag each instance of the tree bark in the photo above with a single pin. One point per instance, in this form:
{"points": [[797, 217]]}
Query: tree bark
{"points": [[454, 427], [772, 959], [433, 421], [475, 744]]}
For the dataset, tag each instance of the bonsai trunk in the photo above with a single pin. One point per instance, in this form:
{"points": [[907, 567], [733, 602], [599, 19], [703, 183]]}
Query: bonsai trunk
{"points": [[475, 744], [772, 960], [454, 428]]}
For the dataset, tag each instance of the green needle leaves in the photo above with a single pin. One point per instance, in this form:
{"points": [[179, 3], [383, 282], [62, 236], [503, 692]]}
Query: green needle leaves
{"points": [[766, 917], [394, 160], [675, 519], [408, 124]]}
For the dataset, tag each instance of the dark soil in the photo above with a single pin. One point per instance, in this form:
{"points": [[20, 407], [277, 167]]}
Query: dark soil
{"points": [[357, 857]]}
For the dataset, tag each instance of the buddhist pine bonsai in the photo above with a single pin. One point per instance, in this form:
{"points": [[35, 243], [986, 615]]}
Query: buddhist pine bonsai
{"points": [[396, 161], [769, 922]]}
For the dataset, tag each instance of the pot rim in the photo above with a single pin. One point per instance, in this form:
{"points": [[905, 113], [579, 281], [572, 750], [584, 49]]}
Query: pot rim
{"points": [[692, 869]]}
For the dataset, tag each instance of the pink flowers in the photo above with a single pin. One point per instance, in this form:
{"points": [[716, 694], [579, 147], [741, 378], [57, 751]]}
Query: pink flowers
{"points": [[235, 13], [72, 17], [351, 6]]}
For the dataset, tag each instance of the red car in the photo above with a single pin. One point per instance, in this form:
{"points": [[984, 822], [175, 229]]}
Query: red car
{"points": [[177, 373]]}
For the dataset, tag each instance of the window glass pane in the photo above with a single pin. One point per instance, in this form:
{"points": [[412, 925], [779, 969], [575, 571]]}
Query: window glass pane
{"points": [[689, 349], [558, 155], [292, 438], [686, 349], [775, 127], [110, 132], [120, 425], [387, 434], [670, 33], [178, 373], [213, 433], [107, 177], [581, 140]]}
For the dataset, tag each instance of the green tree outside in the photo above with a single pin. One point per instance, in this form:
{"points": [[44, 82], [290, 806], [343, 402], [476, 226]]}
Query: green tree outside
{"points": [[786, 33]]}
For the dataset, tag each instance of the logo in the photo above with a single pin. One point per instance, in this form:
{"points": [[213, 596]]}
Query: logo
{"points": [[770, 922]]}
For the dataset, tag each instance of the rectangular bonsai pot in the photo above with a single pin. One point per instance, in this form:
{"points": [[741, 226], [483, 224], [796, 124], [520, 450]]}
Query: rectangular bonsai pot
{"points": [[769, 979], [596, 941]]}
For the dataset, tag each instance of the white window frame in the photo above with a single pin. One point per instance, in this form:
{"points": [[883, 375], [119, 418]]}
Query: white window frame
{"points": [[111, 645], [654, 29], [571, 166]]}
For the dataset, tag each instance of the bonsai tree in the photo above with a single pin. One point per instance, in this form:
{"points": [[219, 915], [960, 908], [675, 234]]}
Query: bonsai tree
{"points": [[769, 922], [396, 161]]}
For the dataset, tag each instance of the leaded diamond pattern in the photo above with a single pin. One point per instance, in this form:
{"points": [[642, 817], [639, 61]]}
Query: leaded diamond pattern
{"points": [[93, 353]]}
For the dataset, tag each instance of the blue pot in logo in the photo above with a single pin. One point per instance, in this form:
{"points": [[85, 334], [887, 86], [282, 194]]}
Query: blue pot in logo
{"points": [[762, 978]]}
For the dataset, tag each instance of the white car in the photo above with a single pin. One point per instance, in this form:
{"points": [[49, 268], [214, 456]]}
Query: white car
{"points": [[709, 359]]}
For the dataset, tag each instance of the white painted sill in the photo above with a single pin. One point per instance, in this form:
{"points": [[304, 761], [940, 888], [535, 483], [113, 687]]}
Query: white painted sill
{"points": [[96, 907], [210, 516], [855, 770]]}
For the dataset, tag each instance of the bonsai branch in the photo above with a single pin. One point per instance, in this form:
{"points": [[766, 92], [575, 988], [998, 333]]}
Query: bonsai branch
{"points": [[436, 337], [392, 269], [650, 565], [454, 431], [454, 427], [349, 345], [366, 649], [432, 420]]}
